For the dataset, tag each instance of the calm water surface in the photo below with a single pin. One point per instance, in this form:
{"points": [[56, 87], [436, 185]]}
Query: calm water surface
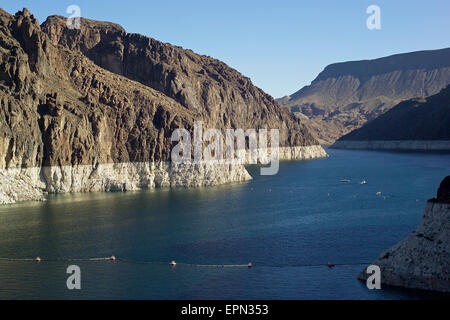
{"points": [[302, 215]]}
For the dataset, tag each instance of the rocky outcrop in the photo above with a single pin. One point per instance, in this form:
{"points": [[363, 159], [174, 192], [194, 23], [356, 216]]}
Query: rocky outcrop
{"points": [[443, 194], [94, 109], [346, 95], [421, 261], [219, 94], [29, 183], [416, 124]]}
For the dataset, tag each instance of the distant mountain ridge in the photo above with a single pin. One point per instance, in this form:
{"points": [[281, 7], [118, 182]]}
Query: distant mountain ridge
{"points": [[428, 60], [346, 95]]}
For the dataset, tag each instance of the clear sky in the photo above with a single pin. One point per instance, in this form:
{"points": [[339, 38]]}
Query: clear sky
{"points": [[281, 45]]}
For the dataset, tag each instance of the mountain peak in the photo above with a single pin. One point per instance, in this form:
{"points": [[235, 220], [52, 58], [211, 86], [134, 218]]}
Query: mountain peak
{"points": [[346, 95], [426, 59], [85, 24], [25, 12]]}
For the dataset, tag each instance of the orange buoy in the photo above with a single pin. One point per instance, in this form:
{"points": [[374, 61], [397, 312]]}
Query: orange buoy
{"points": [[173, 263], [249, 265], [113, 258], [330, 265], [38, 259]]}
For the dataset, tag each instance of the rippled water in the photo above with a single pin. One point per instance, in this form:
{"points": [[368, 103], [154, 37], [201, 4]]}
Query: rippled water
{"points": [[303, 215]]}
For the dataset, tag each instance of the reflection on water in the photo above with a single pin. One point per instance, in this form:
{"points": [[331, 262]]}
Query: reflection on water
{"points": [[303, 215]]}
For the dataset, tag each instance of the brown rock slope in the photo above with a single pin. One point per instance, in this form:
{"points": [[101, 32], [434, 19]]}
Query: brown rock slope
{"points": [[222, 96], [421, 261], [76, 106], [417, 124], [346, 95]]}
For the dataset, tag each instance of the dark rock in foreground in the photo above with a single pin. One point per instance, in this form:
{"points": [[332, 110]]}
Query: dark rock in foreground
{"points": [[443, 194], [422, 260]]}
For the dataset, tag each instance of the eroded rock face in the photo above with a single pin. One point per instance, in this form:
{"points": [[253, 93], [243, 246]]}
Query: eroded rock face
{"points": [[98, 96], [345, 96], [425, 119], [421, 261], [220, 94]]}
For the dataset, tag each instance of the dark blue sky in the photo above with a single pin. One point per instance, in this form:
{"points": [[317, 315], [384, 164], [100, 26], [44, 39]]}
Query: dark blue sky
{"points": [[280, 45]]}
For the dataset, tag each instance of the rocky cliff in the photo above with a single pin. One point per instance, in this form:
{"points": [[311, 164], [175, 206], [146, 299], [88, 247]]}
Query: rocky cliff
{"points": [[346, 95], [94, 109], [416, 124], [421, 261]]}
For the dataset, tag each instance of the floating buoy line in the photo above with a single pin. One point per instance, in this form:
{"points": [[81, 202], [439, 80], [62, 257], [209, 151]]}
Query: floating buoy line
{"points": [[174, 263]]}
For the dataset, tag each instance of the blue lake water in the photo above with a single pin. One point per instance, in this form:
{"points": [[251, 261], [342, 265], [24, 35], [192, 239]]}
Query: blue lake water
{"points": [[302, 215]]}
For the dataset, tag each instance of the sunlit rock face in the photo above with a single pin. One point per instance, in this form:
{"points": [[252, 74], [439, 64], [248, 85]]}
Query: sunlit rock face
{"points": [[95, 109]]}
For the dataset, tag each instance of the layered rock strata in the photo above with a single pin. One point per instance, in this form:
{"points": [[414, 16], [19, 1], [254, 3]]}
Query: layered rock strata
{"points": [[346, 95]]}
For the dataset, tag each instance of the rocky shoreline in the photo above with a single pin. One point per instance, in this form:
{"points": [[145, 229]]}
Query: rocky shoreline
{"points": [[24, 184], [421, 261], [94, 109], [419, 145]]}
